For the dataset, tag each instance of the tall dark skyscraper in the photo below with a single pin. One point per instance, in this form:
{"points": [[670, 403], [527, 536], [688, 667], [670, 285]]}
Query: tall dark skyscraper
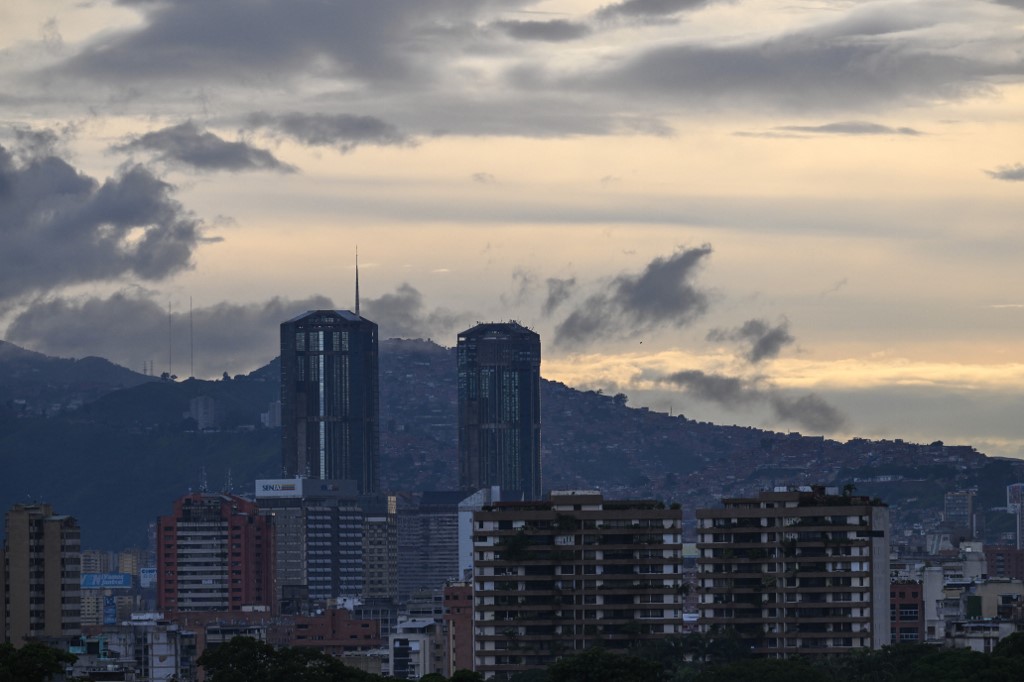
{"points": [[499, 408], [330, 398]]}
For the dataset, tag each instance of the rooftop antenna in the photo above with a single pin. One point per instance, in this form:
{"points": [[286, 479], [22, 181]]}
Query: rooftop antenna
{"points": [[169, 365], [191, 344], [357, 281]]}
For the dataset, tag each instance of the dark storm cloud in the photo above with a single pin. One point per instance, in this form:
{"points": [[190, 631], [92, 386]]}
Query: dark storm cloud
{"points": [[809, 411], [558, 30], [559, 291], [1012, 173], [765, 341], [649, 8], [851, 128], [403, 314], [717, 388], [187, 144], [61, 227], [663, 294], [341, 131], [131, 328]]}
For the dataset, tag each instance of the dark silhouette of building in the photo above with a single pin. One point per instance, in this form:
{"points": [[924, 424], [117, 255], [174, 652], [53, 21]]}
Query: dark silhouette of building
{"points": [[330, 398], [499, 408]]}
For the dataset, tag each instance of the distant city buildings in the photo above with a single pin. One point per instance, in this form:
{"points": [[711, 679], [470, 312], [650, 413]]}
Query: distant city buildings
{"points": [[428, 543], [330, 426], [801, 571], [499, 408], [215, 552], [318, 540], [40, 574], [555, 577]]}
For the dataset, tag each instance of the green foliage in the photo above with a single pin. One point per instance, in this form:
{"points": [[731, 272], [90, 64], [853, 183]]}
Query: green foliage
{"points": [[33, 662], [598, 665], [466, 676], [244, 659]]}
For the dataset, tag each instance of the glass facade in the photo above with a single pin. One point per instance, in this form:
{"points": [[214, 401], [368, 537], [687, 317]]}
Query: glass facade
{"points": [[330, 398]]}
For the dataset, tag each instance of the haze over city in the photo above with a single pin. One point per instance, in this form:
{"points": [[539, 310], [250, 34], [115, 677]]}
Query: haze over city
{"points": [[793, 216]]}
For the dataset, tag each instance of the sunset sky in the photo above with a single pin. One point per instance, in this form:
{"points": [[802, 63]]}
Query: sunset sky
{"points": [[801, 216]]}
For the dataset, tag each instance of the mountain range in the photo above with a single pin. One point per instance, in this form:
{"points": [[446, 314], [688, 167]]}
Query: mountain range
{"points": [[115, 448]]}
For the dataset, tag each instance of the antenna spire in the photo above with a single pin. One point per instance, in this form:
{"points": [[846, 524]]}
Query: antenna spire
{"points": [[357, 280]]}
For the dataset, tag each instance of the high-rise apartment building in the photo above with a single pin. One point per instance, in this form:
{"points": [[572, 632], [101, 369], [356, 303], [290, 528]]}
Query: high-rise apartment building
{"points": [[428, 543], [41, 574], [574, 571], [380, 547], [499, 408], [318, 531], [801, 571], [214, 553], [330, 398]]}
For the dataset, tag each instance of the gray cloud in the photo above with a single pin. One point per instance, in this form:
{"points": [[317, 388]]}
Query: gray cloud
{"points": [[1013, 173], [858, 62], [809, 411], [256, 43], [765, 341], [189, 145], [717, 388], [403, 314], [61, 227], [131, 328], [484, 178], [559, 291], [662, 294], [649, 8], [342, 131], [851, 128], [558, 30]]}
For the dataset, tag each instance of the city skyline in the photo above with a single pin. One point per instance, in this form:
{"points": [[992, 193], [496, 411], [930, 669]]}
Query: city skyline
{"points": [[807, 215]]}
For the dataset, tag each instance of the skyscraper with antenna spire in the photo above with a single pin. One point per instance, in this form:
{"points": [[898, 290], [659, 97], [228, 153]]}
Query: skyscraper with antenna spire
{"points": [[330, 413]]}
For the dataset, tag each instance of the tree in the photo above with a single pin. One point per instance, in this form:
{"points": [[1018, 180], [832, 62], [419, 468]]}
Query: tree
{"points": [[33, 662], [599, 665], [242, 659], [466, 676]]}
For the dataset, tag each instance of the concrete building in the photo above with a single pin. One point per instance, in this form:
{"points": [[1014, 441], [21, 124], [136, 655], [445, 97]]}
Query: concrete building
{"points": [[41, 574], [428, 543], [458, 627], [415, 649], [330, 411], [801, 571], [214, 553], [958, 513], [318, 538], [558, 576], [380, 547], [499, 408]]}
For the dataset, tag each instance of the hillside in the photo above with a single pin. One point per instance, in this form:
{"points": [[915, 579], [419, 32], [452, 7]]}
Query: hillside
{"points": [[120, 459]]}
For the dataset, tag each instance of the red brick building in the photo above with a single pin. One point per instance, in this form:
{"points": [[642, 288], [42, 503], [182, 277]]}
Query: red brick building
{"points": [[214, 553], [906, 612], [1004, 562], [458, 622]]}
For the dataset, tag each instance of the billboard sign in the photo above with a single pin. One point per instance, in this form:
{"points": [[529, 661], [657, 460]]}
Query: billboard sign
{"points": [[106, 581]]}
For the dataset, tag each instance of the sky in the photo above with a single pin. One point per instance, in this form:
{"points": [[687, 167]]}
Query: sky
{"points": [[799, 216]]}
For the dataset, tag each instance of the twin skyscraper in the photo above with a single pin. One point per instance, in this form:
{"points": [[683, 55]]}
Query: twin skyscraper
{"points": [[330, 397]]}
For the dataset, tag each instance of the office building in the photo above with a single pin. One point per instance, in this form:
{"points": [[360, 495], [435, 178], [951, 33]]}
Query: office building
{"points": [[428, 543], [555, 577], [499, 409], [958, 513], [318, 538], [214, 553], [380, 549], [41, 574], [330, 398], [800, 571]]}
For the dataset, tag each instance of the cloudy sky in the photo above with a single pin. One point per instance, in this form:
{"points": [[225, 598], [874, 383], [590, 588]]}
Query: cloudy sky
{"points": [[794, 215]]}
